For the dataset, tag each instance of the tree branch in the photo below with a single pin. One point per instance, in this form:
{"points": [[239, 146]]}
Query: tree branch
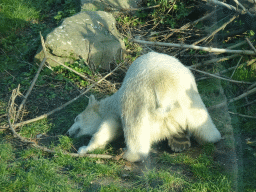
{"points": [[208, 49]]}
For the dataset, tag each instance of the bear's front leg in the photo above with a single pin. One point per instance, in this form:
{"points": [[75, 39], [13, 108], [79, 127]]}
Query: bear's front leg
{"points": [[109, 130], [137, 133]]}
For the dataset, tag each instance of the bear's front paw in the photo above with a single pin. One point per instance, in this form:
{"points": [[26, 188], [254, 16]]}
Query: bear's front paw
{"points": [[134, 157], [82, 150]]}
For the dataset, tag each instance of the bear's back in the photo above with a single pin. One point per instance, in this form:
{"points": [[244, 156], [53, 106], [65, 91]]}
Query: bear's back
{"points": [[153, 64]]}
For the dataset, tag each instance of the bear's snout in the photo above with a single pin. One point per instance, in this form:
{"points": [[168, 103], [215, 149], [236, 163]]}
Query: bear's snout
{"points": [[73, 133]]}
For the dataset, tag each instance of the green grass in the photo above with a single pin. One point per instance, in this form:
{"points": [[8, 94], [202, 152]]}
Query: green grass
{"points": [[17, 14], [30, 169]]}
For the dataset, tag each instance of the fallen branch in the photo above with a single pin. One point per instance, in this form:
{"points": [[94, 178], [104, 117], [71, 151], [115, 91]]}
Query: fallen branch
{"points": [[74, 71], [253, 85], [244, 9], [241, 115], [219, 77], [215, 60], [238, 63], [190, 24], [251, 45], [208, 49], [234, 99], [217, 30], [228, 6], [247, 104], [35, 78], [243, 95]]}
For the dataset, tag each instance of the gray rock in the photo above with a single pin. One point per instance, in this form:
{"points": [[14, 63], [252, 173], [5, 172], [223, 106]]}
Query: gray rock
{"points": [[91, 36]]}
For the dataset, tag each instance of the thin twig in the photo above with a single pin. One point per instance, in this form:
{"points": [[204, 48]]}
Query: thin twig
{"points": [[217, 30], [132, 9], [227, 70], [244, 9], [34, 80], [251, 86], [190, 24], [230, 7], [241, 115], [243, 95], [219, 77], [215, 60], [74, 71], [233, 100], [209, 49], [251, 45], [245, 105], [212, 34], [4, 115], [238, 63]]}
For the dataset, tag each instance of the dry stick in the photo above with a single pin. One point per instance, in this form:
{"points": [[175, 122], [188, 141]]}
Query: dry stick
{"points": [[254, 101], [241, 115], [34, 80], [74, 71], [216, 60], [219, 77], [23, 139], [218, 73], [136, 9], [209, 49], [251, 45], [166, 14], [226, 70], [243, 95], [244, 9], [233, 100], [190, 24], [238, 63], [4, 115], [133, 9], [231, 7], [66, 104], [239, 44], [212, 34], [251, 86], [217, 30]]}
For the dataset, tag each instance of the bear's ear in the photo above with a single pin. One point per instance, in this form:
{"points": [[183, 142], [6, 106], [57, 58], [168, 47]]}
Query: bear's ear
{"points": [[92, 100]]}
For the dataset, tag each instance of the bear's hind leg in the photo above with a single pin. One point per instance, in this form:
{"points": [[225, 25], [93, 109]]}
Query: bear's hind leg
{"points": [[198, 119]]}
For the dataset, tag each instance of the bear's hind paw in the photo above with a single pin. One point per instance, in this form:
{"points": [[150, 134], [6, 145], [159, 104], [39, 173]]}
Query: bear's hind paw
{"points": [[179, 144]]}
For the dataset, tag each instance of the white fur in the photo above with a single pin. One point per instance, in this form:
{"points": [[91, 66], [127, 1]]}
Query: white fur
{"points": [[158, 99]]}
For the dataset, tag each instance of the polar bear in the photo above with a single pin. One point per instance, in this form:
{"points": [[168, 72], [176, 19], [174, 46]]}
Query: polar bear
{"points": [[157, 100]]}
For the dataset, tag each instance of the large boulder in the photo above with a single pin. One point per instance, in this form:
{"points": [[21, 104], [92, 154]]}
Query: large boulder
{"points": [[91, 36]]}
